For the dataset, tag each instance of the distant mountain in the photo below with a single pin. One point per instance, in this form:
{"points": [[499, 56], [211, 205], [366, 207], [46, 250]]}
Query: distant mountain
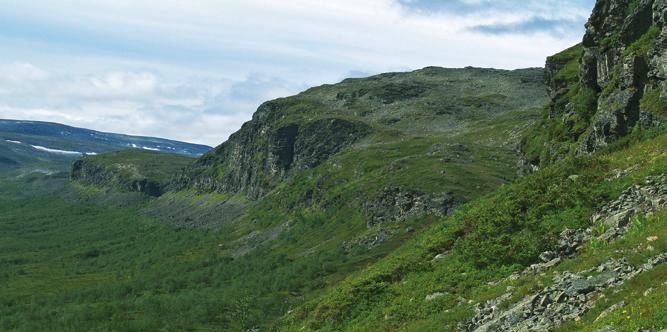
{"points": [[24, 142]]}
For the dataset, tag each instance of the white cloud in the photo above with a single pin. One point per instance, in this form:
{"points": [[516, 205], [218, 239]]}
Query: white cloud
{"points": [[124, 83], [140, 103], [19, 72], [196, 70]]}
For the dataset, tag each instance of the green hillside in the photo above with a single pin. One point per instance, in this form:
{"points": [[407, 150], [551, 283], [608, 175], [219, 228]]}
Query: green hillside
{"points": [[502, 233], [435, 200], [255, 258]]}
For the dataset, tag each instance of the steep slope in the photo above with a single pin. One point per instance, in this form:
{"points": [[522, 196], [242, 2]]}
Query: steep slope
{"points": [[606, 87], [380, 204], [349, 171], [570, 241]]}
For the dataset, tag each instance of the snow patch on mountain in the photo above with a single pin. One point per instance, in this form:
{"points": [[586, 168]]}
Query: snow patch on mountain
{"points": [[45, 149]]}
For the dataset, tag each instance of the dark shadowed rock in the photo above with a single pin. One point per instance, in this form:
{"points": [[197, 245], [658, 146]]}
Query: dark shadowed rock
{"points": [[395, 203]]}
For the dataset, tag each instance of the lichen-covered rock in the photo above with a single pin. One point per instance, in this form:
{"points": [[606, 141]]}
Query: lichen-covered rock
{"points": [[616, 115], [619, 86]]}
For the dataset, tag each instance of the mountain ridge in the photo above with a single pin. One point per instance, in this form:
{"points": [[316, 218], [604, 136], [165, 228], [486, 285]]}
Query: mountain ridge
{"points": [[79, 139], [354, 109]]}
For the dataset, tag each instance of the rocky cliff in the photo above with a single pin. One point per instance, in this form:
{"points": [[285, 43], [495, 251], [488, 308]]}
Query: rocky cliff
{"points": [[603, 88], [266, 150], [102, 176], [140, 171], [624, 57]]}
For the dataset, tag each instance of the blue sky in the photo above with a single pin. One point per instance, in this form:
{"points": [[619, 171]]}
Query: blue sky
{"points": [[196, 70]]}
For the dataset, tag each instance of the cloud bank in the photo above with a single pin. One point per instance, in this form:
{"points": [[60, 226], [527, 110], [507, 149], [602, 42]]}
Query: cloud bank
{"points": [[197, 70]]}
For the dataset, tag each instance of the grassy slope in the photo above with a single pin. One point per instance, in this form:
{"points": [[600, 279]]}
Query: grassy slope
{"points": [[417, 119], [132, 273], [146, 276], [97, 267], [488, 239]]}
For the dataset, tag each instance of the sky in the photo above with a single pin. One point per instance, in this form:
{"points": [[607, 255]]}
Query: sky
{"points": [[196, 70]]}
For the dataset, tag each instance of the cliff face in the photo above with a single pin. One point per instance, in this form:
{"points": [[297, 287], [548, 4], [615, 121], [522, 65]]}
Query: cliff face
{"points": [[266, 150], [140, 171], [624, 58], [105, 177], [603, 88]]}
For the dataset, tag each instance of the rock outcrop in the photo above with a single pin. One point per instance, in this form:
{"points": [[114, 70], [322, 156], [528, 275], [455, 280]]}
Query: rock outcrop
{"points": [[624, 58], [114, 177], [288, 135], [605, 87], [266, 150], [397, 204]]}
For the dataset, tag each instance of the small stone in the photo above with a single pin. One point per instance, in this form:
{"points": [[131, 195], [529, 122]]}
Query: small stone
{"points": [[545, 301], [434, 296], [547, 256], [619, 220], [648, 291], [552, 262], [609, 310], [560, 297], [651, 238]]}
